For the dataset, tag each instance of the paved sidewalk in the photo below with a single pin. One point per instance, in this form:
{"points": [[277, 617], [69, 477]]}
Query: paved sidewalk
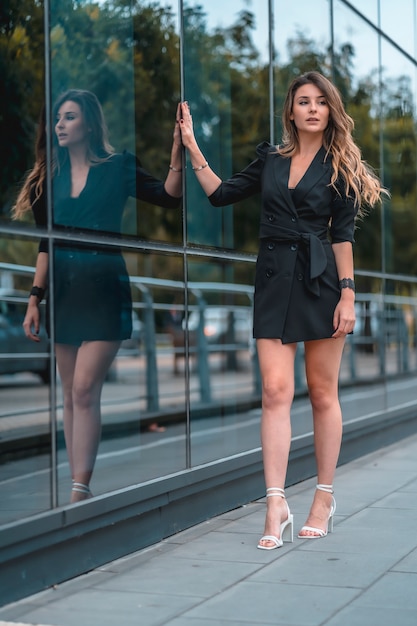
{"points": [[364, 574]]}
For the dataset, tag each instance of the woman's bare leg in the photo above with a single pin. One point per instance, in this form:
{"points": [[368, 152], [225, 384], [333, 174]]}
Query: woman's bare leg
{"points": [[83, 432], [66, 357], [277, 371], [322, 359]]}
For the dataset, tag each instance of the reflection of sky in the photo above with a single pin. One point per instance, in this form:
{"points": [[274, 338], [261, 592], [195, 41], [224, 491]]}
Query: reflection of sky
{"points": [[312, 20], [223, 13]]}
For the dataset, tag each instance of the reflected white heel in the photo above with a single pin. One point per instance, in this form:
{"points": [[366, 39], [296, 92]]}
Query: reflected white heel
{"points": [[286, 527], [82, 488], [319, 532]]}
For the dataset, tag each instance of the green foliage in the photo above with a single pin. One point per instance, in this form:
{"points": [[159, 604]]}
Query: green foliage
{"points": [[21, 71]]}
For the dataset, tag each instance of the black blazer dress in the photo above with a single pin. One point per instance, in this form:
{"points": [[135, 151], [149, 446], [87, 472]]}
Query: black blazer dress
{"points": [[296, 283], [92, 299]]}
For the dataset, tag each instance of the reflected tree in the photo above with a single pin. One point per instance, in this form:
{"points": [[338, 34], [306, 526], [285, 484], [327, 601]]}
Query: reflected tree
{"points": [[22, 77]]}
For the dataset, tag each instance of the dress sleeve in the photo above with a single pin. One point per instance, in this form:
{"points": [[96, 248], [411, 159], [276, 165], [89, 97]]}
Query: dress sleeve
{"points": [[344, 212], [244, 184], [144, 186]]}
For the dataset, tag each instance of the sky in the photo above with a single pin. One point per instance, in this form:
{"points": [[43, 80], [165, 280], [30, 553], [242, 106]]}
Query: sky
{"points": [[398, 21]]}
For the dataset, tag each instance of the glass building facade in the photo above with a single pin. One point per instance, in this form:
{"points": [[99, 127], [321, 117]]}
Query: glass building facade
{"points": [[181, 402]]}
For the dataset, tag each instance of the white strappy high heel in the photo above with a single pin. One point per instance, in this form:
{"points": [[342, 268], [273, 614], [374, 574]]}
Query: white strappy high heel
{"points": [[286, 527], [319, 532]]}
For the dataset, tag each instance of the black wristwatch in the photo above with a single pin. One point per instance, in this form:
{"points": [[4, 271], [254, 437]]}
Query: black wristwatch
{"points": [[39, 292]]}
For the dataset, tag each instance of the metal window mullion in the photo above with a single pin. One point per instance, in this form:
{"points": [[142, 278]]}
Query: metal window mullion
{"points": [[49, 204]]}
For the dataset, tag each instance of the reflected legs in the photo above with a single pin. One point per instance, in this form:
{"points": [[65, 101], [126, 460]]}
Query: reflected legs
{"points": [[83, 371]]}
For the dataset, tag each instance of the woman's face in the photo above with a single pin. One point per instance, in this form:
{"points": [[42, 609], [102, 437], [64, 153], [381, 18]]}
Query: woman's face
{"points": [[310, 111], [70, 127]]}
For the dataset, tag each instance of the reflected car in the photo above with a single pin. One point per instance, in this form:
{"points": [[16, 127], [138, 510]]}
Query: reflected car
{"points": [[18, 353], [221, 324]]}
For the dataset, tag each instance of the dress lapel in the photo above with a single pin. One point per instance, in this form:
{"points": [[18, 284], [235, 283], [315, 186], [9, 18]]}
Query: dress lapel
{"points": [[282, 174], [315, 171]]}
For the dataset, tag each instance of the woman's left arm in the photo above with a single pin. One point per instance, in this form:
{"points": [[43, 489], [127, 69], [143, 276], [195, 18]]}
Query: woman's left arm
{"points": [[344, 314], [173, 181]]}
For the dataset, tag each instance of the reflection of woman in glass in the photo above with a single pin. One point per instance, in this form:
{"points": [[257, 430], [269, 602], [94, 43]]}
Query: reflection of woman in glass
{"points": [[92, 301], [312, 188]]}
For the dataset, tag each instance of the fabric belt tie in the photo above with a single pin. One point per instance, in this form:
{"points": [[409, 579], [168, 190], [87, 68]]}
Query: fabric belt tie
{"points": [[316, 252]]}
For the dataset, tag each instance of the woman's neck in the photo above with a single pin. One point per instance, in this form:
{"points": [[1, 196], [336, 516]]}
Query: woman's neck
{"points": [[309, 145], [78, 157]]}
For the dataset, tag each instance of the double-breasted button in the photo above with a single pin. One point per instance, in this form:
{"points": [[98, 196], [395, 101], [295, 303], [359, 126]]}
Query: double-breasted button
{"points": [[268, 273], [271, 245], [294, 247], [293, 219], [271, 218]]}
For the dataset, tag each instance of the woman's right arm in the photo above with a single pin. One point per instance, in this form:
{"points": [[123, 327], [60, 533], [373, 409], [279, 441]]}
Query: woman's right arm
{"points": [[206, 177], [31, 323]]}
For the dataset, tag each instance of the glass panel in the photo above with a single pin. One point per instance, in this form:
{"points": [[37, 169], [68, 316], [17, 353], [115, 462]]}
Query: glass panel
{"points": [[369, 9], [400, 219], [399, 115], [399, 328], [226, 85], [301, 43], [399, 23], [113, 56], [25, 430], [356, 49], [224, 383], [358, 81], [143, 399]]}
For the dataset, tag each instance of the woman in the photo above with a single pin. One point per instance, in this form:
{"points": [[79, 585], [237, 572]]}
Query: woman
{"points": [[92, 300], [313, 186]]}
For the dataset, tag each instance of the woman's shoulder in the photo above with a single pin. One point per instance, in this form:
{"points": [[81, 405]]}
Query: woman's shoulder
{"points": [[266, 148], [126, 160]]}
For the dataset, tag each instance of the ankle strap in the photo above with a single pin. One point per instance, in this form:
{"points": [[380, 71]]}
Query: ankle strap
{"points": [[80, 488], [275, 491], [326, 488]]}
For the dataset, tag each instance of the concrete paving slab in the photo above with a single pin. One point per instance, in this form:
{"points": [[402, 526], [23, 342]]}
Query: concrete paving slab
{"points": [[376, 616], [370, 532], [180, 576], [395, 590], [195, 621], [93, 607], [401, 499], [407, 564], [224, 546], [324, 569], [20, 624], [272, 603]]}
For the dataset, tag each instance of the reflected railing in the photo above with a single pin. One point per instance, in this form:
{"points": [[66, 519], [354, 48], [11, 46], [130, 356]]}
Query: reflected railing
{"points": [[217, 339]]}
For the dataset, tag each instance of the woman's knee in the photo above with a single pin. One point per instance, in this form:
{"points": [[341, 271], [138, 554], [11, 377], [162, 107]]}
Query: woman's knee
{"points": [[323, 396], [276, 393], [84, 395]]}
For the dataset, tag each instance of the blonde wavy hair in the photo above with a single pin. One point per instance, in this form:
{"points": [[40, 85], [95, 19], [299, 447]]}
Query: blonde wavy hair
{"points": [[99, 148], [360, 180]]}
